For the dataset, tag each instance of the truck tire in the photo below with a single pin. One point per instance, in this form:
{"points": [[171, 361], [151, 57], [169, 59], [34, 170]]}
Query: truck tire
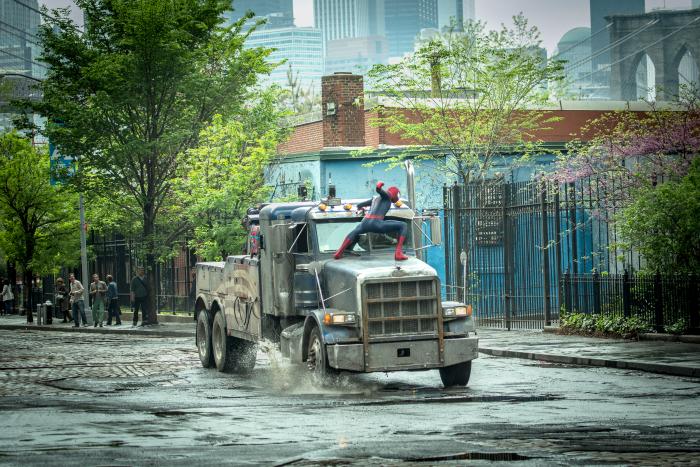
{"points": [[456, 375], [231, 354], [203, 339], [317, 359]]}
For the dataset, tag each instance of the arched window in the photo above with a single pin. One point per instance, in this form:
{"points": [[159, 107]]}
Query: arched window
{"points": [[688, 70], [646, 79]]}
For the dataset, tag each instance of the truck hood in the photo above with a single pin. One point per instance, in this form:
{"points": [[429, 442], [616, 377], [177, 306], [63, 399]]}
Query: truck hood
{"points": [[375, 267], [343, 278]]}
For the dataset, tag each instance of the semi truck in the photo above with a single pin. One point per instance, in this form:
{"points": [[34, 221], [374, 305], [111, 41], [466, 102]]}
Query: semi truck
{"points": [[365, 312]]}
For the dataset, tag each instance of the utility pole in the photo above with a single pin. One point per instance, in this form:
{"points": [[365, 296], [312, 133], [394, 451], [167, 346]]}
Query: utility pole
{"points": [[83, 260]]}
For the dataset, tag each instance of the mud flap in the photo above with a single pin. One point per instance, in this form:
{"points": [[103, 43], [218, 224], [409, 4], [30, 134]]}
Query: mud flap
{"points": [[291, 342]]}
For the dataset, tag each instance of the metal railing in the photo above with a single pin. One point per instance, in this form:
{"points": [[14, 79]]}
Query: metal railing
{"points": [[660, 300]]}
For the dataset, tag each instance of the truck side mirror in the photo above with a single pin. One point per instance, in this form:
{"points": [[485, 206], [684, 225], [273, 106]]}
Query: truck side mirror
{"points": [[435, 231]]}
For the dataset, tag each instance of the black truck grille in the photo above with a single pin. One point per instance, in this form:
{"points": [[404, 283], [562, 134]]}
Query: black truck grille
{"points": [[401, 307]]}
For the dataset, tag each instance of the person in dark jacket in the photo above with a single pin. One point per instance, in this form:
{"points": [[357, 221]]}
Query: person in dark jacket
{"points": [[113, 302], [63, 300], [139, 296], [37, 298]]}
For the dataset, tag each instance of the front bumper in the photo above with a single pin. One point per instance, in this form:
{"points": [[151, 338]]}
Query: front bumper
{"points": [[402, 355]]}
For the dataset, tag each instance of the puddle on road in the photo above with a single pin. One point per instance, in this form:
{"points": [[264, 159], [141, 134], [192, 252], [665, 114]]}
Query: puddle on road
{"points": [[276, 372], [474, 456]]}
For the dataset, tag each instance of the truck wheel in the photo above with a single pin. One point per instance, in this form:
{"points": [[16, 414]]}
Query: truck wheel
{"points": [[317, 359], [231, 354], [203, 339], [245, 354], [456, 375]]}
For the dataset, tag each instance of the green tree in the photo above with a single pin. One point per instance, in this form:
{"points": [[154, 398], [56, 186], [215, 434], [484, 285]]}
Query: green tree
{"points": [[296, 97], [629, 150], [225, 175], [663, 224], [131, 94], [39, 223], [473, 93]]}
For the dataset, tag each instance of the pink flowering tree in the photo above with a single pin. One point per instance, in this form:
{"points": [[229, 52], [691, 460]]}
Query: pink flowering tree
{"points": [[647, 176], [629, 150]]}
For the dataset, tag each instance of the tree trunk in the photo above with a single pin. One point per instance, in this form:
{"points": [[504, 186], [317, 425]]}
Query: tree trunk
{"points": [[27, 294], [148, 233]]}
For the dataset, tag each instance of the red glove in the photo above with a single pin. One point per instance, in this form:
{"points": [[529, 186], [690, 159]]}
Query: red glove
{"points": [[380, 185]]}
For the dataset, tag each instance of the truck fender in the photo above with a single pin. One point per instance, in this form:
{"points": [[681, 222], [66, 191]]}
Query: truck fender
{"points": [[314, 319], [329, 334]]}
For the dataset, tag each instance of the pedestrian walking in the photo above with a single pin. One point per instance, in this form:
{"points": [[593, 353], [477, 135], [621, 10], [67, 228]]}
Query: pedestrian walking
{"points": [[98, 292], [63, 300], [7, 297], [36, 295], [77, 300], [113, 302], [139, 296]]}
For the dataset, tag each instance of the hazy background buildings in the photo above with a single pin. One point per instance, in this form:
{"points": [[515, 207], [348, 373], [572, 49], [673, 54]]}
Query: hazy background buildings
{"points": [[316, 37]]}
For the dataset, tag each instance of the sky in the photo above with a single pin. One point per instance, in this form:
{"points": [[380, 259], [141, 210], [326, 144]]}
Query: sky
{"points": [[552, 17]]}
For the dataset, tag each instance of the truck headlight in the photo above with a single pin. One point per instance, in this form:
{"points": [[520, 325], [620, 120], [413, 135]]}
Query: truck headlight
{"points": [[458, 311], [340, 318]]}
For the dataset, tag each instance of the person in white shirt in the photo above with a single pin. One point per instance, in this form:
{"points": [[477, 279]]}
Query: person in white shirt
{"points": [[7, 298], [77, 300]]}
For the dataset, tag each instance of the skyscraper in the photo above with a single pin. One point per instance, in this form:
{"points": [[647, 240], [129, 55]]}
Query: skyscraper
{"points": [[19, 44], [457, 10], [302, 48], [575, 48], [600, 36], [279, 13], [341, 19], [403, 21]]}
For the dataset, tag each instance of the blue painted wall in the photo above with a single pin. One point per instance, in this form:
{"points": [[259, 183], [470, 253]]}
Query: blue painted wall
{"points": [[355, 177]]}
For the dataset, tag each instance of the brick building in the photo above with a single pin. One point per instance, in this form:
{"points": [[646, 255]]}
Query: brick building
{"points": [[327, 150]]}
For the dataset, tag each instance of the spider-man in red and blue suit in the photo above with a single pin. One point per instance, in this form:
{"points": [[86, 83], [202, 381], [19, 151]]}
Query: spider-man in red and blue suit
{"points": [[374, 222]]}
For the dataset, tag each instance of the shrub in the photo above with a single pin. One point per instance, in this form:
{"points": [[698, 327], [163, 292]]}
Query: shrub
{"points": [[677, 328], [603, 325]]}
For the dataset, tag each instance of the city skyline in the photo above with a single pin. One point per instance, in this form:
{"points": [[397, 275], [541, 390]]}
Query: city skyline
{"points": [[553, 17]]}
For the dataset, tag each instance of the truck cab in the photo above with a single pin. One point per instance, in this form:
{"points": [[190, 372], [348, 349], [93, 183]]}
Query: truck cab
{"points": [[365, 312]]}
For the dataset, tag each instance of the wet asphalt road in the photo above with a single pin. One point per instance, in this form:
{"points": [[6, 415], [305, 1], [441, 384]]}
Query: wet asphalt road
{"points": [[91, 399]]}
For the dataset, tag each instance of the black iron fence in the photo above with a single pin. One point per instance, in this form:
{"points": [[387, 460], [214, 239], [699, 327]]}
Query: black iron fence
{"points": [[508, 244], [174, 277], [660, 300]]}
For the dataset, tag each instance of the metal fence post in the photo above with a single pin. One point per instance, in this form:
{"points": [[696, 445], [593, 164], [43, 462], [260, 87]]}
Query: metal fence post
{"points": [[507, 270], [626, 294], [545, 256], [658, 303], [694, 301], [567, 292], [458, 244], [596, 292], [557, 243]]}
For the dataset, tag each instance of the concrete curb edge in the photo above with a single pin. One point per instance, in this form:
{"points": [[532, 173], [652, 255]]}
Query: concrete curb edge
{"points": [[93, 330], [588, 361]]}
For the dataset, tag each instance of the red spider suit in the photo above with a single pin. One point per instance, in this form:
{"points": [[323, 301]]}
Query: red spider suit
{"points": [[374, 221]]}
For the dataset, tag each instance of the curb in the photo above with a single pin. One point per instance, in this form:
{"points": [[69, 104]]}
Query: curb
{"points": [[686, 338], [93, 330], [163, 318], [603, 362], [649, 336]]}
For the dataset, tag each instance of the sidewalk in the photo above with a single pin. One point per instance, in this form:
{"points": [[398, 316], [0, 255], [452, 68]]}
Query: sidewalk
{"points": [[673, 358], [167, 326]]}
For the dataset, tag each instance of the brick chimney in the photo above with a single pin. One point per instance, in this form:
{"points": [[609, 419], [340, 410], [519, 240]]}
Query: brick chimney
{"points": [[342, 99]]}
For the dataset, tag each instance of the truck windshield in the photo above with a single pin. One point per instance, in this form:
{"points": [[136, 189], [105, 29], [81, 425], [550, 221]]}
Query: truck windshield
{"points": [[332, 233]]}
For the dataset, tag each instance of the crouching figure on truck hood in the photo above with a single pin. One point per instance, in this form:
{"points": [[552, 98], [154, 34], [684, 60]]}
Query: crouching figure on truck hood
{"points": [[374, 222]]}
